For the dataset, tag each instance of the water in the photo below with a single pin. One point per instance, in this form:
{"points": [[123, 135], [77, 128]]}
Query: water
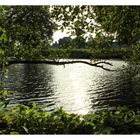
{"points": [[78, 88]]}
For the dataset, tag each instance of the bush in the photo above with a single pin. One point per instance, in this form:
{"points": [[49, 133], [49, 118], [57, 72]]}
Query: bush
{"points": [[33, 120]]}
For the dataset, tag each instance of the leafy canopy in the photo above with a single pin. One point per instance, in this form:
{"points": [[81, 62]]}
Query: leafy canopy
{"points": [[28, 28], [25, 30], [122, 22]]}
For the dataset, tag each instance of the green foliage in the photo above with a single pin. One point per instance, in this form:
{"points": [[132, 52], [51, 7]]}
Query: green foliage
{"points": [[135, 54], [25, 31], [3, 98], [26, 35], [3, 40], [28, 120], [68, 42], [87, 53], [120, 22], [3, 37], [33, 120], [3, 60], [28, 29], [74, 18]]}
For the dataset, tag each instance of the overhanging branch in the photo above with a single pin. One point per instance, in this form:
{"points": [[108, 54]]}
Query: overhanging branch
{"points": [[96, 64]]}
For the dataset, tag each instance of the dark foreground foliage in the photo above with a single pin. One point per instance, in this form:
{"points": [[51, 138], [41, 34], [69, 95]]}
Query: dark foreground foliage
{"points": [[33, 120]]}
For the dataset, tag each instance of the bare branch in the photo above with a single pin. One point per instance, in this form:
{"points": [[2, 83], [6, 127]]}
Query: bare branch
{"points": [[103, 62], [97, 64]]}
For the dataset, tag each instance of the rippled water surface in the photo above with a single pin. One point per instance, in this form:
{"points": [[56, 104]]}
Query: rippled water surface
{"points": [[78, 88]]}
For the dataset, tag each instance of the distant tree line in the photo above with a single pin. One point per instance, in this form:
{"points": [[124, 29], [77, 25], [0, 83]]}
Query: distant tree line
{"points": [[99, 41]]}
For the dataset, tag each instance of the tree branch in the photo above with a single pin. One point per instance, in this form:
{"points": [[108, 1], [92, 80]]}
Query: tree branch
{"points": [[96, 64]]}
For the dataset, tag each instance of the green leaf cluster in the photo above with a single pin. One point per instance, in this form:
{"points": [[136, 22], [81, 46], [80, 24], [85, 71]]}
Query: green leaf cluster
{"points": [[121, 22], [25, 30], [33, 120]]}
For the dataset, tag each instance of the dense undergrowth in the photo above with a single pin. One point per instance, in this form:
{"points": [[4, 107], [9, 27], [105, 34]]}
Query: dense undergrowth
{"points": [[33, 120]]}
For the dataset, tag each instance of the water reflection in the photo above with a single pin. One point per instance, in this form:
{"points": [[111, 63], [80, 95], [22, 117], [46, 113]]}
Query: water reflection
{"points": [[78, 88], [30, 83]]}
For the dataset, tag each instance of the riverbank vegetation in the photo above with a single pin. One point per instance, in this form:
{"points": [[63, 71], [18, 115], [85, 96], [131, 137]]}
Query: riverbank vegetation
{"points": [[26, 34], [87, 53], [33, 120]]}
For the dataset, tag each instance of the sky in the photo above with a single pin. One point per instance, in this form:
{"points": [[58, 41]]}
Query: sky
{"points": [[58, 34]]}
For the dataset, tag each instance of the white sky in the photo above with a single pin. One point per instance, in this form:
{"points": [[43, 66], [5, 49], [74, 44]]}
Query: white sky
{"points": [[58, 34]]}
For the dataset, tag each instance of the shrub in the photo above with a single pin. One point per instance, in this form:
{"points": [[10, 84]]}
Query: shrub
{"points": [[33, 120]]}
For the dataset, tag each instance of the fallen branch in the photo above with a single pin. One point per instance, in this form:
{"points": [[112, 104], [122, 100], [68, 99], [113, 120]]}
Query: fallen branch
{"points": [[96, 64]]}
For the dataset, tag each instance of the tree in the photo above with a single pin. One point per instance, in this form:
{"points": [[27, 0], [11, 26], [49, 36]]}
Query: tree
{"points": [[122, 22], [68, 42], [28, 28], [64, 42], [103, 41], [27, 34], [78, 42]]}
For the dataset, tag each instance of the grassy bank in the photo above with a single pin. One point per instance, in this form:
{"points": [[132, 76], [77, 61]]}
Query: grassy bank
{"points": [[96, 53], [33, 120]]}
